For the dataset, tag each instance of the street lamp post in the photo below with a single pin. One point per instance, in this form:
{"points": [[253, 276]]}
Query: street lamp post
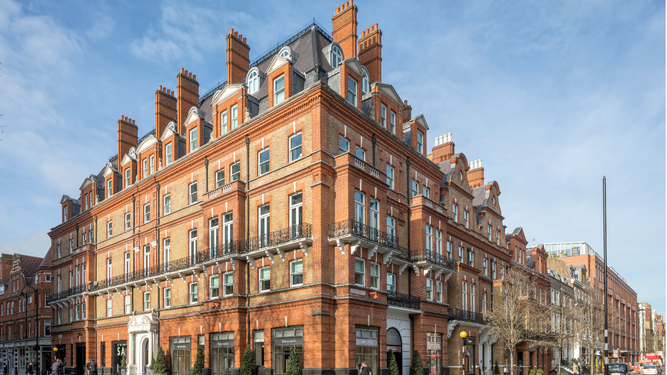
{"points": [[36, 347]]}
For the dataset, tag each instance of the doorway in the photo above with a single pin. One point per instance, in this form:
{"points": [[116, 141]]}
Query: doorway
{"points": [[395, 344], [80, 358]]}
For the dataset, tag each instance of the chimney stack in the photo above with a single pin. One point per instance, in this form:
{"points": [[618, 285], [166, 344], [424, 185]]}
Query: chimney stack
{"points": [[443, 148], [370, 52], [238, 57], [127, 136], [345, 28], [165, 110], [407, 111], [188, 96], [476, 173]]}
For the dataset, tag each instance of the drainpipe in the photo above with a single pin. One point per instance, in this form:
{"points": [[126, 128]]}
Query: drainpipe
{"points": [[95, 260], [247, 236], [134, 222], [206, 167], [407, 185], [157, 263], [374, 142]]}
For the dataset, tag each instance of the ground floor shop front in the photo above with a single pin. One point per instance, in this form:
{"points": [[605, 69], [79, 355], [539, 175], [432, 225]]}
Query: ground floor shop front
{"points": [[16, 354], [329, 336]]}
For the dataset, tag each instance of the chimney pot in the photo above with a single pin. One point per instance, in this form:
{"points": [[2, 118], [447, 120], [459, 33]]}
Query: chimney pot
{"points": [[243, 39], [376, 26], [236, 34], [194, 76], [231, 31], [133, 122], [405, 102], [186, 72], [347, 4], [190, 74], [181, 70], [363, 33], [160, 87], [337, 10], [351, 2], [241, 36]]}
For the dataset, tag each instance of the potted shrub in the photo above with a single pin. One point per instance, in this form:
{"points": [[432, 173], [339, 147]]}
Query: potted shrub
{"points": [[123, 365], [540, 371], [199, 362], [293, 363], [416, 366], [531, 371], [496, 369], [248, 366], [391, 363], [159, 366]]}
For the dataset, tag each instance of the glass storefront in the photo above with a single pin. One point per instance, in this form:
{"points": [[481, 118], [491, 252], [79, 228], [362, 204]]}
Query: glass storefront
{"points": [[434, 352], [222, 353], [180, 355], [119, 349], [259, 348], [283, 340], [367, 347]]}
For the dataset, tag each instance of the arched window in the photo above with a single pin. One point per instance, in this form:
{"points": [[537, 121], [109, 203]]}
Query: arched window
{"points": [[253, 82], [366, 83], [285, 53], [336, 56]]}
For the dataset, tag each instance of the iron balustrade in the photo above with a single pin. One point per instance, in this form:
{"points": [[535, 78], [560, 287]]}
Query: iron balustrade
{"points": [[202, 256], [424, 255], [403, 300], [279, 237], [465, 315], [67, 293], [356, 228]]}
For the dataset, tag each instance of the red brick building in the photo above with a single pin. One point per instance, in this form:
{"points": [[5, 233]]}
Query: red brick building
{"points": [[25, 316], [293, 205]]}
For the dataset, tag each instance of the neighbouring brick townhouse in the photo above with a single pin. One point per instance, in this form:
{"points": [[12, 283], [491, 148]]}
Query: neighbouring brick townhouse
{"points": [[25, 316], [293, 205]]}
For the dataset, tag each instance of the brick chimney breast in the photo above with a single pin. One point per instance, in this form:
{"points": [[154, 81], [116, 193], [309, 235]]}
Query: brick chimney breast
{"points": [[443, 148], [238, 57], [370, 52], [127, 136], [188, 97], [345, 29]]}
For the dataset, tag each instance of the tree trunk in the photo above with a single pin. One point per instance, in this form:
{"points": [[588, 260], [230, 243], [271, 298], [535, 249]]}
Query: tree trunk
{"points": [[511, 371]]}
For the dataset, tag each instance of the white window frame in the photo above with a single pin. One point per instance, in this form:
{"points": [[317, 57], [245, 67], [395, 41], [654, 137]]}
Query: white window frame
{"points": [[144, 168], [293, 273], [375, 278], [464, 295], [361, 274], [223, 123], [383, 115], [295, 148], [225, 284], [127, 177], [261, 163], [235, 176], [213, 233], [128, 221], [392, 122], [465, 219], [169, 153], [220, 178], [192, 245], [227, 229], [391, 286], [192, 196], [193, 139], [167, 253], [166, 204], [365, 82], [235, 116], [167, 297], [147, 301], [214, 291], [352, 90], [109, 228], [390, 176], [429, 289], [109, 191], [428, 242], [279, 93], [360, 153], [420, 142], [438, 291], [147, 212], [151, 164], [253, 82], [127, 299], [472, 297], [343, 141], [438, 242], [455, 212], [359, 207], [264, 224], [193, 292], [336, 56], [262, 280], [109, 310]]}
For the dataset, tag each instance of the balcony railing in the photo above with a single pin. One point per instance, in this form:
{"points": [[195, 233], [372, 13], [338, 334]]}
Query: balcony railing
{"points": [[276, 238], [431, 256], [353, 227], [465, 315], [66, 293], [403, 300], [279, 237]]}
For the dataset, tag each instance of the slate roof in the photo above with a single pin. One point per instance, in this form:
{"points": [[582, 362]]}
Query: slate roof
{"points": [[29, 264], [46, 261]]}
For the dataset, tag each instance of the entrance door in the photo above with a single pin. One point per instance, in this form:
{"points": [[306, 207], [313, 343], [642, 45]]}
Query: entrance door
{"points": [[80, 358], [119, 349], [180, 355]]}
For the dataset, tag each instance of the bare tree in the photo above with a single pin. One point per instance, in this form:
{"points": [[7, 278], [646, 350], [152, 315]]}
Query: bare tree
{"points": [[562, 314], [589, 323], [514, 310]]}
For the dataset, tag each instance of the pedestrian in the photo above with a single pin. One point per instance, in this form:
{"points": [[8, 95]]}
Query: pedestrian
{"points": [[575, 368], [28, 369], [54, 367], [92, 367], [365, 370], [60, 366]]}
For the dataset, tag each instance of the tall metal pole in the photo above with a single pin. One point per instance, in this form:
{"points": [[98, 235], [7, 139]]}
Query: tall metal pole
{"points": [[604, 230]]}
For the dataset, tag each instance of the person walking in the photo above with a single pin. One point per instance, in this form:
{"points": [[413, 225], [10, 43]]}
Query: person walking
{"points": [[28, 369], [92, 367], [55, 367], [365, 370]]}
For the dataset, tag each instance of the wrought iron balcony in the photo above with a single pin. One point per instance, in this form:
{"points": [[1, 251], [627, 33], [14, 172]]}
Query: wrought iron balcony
{"points": [[279, 237], [433, 257], [465, 315], [403, 300], [66, 293], [355, 228]]}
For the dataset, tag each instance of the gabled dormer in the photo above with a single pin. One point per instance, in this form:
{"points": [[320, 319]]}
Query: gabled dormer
{"points": [[516, 244], [197, 133], [170, 144], [489, 216], [228, 109], [280, 81], [88, 192], [347, 80], [387, 107], [147, 154], [128, 167], [70, 207], [414, 133], [110, 174]]}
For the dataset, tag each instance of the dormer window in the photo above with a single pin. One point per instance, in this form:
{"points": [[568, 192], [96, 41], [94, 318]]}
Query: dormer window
{"points": [[235, 116], [420, 142], [65, 212], [253, 82], [223, 123], [352, 91], [366, 83], [152, 164], [145, 168], [278, 90], [169, 153], [128, 182], [336, 56], [109, 185], [193, 139]]}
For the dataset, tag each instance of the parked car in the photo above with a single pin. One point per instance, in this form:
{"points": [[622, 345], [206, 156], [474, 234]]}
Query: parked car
{"points": [[650, 370], [618, 369]]}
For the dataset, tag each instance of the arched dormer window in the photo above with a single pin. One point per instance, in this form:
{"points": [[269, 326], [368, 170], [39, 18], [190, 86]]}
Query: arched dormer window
{"points": [[252, 81], [336, 56], [366, 82], [285, 53]]}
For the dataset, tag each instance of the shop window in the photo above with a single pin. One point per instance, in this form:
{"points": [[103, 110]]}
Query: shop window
{"points": [[222, 353], [434, 352], [367, 348], [259, 347], [283, 340], [181, 359]]}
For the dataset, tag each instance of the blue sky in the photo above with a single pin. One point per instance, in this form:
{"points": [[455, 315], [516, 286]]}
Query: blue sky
{"points": [[551, 95]]}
